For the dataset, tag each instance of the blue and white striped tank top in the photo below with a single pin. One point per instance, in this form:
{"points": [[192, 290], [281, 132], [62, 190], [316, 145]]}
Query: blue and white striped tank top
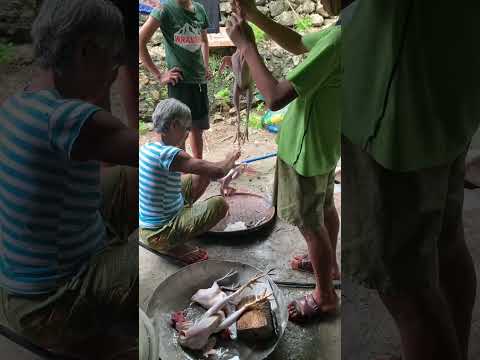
{"points": [[50, 224], [160, 190]]}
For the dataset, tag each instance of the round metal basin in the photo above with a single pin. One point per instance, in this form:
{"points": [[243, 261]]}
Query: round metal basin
{"points": [[254, 210], [175, 292]]}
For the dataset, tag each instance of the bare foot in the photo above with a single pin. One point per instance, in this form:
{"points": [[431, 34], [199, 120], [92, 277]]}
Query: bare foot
{"points": [[188, 254]]}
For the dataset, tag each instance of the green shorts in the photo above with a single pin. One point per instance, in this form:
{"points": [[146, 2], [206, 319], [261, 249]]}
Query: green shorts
{"points": [[194, 220], [301, 201], [396, 224], [195, 96], [105, 291]]}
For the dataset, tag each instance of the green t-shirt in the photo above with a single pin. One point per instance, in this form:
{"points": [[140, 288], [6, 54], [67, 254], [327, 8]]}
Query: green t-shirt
{"points": [[411, 92], [309, 139], [182, 31]]}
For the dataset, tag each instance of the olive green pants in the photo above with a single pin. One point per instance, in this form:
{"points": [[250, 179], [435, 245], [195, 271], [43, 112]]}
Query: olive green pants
{"points": [[193, 220], [107, 288]]}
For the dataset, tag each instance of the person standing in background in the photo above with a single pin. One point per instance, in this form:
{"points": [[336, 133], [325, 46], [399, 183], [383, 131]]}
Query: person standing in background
{"points": [[184, 25]]}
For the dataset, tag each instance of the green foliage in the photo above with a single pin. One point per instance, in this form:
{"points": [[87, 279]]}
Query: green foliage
{"points": [[260, 107], [221, 83], [143, 128], [303, 24], [259, 33], [223, 96], [6, 53], [256, 116], [255, 121]]}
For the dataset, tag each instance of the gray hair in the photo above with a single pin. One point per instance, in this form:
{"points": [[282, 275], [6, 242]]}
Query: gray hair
{"points": [[171, 111], [60, 24]]}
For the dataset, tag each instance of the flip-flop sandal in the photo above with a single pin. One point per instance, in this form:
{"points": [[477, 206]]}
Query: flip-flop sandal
{"points": [[307, 309], [302, 264]]}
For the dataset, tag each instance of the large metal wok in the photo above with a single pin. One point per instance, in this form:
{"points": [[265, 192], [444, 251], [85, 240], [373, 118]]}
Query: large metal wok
{"points": [[175, 292], [254, 210]]}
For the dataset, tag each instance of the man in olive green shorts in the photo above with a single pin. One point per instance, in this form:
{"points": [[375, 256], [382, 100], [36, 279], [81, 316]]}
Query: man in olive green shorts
{"points": [[308, 145], [410, 110]]}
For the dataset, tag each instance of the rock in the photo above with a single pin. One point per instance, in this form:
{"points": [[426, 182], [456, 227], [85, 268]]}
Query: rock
{"points": [[286, 18], [277, 52], [317, 20], [264, 10], [23, 55], [16, 18], [320, 10], [330, 21], [306, 8], [223, 19], [218, 118], [276, 7], [157, 52], [226, 7], [261, 2]]}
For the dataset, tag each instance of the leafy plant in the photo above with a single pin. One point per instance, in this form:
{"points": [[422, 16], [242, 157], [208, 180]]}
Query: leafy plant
{"points": [[143, 128], [223, 95], [6, 53], [303, 24], [221, 83], [259, 33], [255, 121], [260, 107]]}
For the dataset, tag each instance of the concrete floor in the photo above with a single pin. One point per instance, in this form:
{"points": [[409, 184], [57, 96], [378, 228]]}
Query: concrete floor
{"points": [[10, 350], [368, 329], [319, 341]]}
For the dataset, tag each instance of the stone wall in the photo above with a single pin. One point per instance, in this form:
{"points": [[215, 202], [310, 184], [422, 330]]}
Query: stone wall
{"points": [[286, 12], [16, 17]]}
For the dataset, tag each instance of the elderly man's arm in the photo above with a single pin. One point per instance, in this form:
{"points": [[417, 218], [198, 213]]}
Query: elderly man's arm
{"points": [[184, 163], [105, 138]]}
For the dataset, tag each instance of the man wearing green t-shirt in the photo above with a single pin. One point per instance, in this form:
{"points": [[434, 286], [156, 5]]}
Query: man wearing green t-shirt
{"points": [[184, 25], [410, 109], [308, 144]]}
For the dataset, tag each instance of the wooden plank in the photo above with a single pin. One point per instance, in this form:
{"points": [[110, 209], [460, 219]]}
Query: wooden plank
{"points": [[255, 324], [220, 40]]}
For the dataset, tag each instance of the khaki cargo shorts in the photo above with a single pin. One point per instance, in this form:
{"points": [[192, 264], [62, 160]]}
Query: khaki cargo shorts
{"points": [[301, 201], [194, 220], [395, 225]]}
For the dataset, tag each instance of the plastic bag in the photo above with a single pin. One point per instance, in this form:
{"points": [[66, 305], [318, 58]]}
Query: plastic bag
{"points": [[272, 120]]}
